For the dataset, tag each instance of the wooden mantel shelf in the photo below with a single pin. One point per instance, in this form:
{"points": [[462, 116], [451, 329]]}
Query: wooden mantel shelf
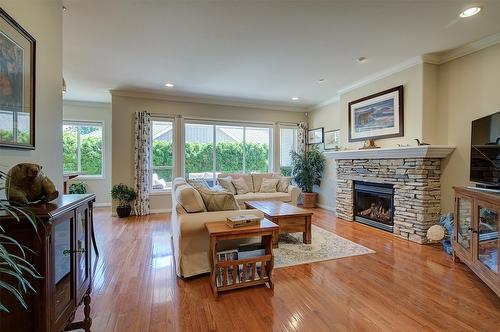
{"points": [[423, 151]]}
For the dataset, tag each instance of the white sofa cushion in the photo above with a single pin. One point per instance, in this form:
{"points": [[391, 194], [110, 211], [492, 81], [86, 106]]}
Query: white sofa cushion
{"points": [[284, 183], [189, 198], [277, 196], [268, 185], [241, 186], [227, 183], [246, 177], [258, 177], [218, 200]]}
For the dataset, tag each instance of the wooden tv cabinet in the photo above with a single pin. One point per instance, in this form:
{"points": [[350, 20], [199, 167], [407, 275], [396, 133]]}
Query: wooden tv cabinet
{"points": [[476, 243], [63, 259]]}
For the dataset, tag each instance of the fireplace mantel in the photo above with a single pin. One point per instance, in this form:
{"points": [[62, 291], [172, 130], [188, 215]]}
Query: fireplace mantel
{"points": [[423, 151]]}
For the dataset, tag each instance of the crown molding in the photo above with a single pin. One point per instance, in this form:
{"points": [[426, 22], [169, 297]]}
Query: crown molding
{"points": [[207, 100], [92, 104], [370, 79], [446, 56]]}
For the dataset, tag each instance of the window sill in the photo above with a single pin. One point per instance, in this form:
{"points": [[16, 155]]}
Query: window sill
{"points": [[89, 177], [161, 192]]}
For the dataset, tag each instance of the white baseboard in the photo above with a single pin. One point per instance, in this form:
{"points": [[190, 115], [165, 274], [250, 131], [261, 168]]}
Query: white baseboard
{"points": [[102, 204], [326, 207], [155, 211]]}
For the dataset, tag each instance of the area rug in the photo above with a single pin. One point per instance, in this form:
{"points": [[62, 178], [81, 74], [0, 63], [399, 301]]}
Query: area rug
{"points": [[325, 246]]}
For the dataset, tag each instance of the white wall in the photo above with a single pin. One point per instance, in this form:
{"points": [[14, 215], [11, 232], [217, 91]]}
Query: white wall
{"points": [[469, 88], [101, 113], [43, 20]]}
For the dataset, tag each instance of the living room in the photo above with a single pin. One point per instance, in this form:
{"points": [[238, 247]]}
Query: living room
{"points": [[249, 165]]}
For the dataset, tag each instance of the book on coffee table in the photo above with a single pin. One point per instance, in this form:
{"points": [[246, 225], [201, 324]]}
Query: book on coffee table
{"points": [[242, 220]]}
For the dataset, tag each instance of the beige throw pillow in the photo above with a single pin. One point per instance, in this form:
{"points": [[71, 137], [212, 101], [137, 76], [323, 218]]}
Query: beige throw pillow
{"points": [[218, 200], [227, 184], [268, 185], [190, 199], [241, 186], [284, 183]]}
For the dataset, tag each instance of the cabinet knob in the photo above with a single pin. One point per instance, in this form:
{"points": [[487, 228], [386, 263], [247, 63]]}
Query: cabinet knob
{"points": [[66, 252]]}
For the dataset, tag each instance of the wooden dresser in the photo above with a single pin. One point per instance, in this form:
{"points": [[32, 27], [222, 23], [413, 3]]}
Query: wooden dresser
{"points": [[63, 258], [476, 243]]}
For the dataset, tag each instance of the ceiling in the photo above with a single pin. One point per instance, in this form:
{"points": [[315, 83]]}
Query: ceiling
{"points": [[259, 52]]}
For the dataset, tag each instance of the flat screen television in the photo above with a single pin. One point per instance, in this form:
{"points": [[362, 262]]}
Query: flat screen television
{"points": [[485, 151]]}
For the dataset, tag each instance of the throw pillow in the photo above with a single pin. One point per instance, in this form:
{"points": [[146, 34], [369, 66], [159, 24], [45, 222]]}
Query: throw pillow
{"points": [[241, 186], [218, 200], [268, 185], [284, 183], [190, 199], [198, 183], [227, 184]]}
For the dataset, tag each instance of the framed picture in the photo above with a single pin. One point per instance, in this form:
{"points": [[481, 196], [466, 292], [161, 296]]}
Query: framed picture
{"points": [[315, 136], [17, 85], [377, 116], [332, 139]]}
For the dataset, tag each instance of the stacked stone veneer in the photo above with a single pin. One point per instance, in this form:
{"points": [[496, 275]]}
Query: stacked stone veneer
{"points": [[417, 194]]}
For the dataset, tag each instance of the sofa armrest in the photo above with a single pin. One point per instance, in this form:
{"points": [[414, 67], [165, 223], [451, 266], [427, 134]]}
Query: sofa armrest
{"points": [[294, 192]]}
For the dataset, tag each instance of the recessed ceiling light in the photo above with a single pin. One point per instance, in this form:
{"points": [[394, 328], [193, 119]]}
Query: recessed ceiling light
{"points": [[169, 85], [471, 11], [295, 98], [361, 59]]}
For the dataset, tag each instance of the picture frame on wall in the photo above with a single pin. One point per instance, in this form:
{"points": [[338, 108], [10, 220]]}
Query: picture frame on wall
{"points": [[17, 85], [332, 139], [315, 136], [377, 116]]}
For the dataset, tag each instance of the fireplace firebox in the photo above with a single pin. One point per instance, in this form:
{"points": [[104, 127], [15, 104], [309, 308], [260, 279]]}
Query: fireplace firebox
{"points": [[374, 204]]}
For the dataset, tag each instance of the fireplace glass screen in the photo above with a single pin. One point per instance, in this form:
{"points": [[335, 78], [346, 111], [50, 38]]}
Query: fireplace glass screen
{"points": [[373, 204]]}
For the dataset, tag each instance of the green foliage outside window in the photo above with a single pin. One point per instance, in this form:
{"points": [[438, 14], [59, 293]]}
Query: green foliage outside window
{"points": [[7, 136], [90, 150], [199, 157]]}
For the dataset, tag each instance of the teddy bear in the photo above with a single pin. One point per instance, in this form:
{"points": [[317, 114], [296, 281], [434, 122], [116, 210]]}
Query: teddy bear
{"points": [[26, 183]]}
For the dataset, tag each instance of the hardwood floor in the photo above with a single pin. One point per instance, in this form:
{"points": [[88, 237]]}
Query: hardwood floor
{"points": [[402, 287]]}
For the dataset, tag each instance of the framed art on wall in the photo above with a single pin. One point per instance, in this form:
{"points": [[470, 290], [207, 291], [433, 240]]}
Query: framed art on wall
{"points": [[315, 136], [17, 85], [377, 116], [332, 139]]}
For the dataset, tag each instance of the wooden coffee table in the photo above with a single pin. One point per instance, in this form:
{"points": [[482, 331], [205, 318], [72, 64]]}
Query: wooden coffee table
{"points": [[291, 219]]}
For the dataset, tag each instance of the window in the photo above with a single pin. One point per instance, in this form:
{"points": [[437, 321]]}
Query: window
{"points": [[14, 126], [162, 154], [288, 143], [83, 148], [214, 148]]}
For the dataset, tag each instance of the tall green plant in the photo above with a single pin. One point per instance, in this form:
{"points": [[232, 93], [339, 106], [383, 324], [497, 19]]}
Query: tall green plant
{"points": [[307, 169], [13, 258]]}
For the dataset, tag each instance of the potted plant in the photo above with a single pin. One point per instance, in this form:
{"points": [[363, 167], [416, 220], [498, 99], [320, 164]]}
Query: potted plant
{"points": [[124, 195], [307, 171], [78, 188]]}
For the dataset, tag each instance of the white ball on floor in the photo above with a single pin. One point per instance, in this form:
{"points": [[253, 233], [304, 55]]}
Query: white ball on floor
{"points": [[435, 233]]}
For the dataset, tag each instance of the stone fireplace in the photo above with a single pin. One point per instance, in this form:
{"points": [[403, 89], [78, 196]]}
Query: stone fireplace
{"points": [[409, 176]]}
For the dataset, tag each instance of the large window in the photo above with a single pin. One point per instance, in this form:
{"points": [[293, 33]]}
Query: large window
{"points": [[214, 148], [162, 154], [83, 148], [288, 143]]}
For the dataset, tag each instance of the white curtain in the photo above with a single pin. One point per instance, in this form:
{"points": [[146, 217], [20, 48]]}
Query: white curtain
{"points": [[302, 138], [142, 160]]}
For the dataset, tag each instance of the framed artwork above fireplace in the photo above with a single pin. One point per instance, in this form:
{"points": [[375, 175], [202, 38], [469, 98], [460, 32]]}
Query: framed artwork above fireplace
{"points": [[377, 116]]}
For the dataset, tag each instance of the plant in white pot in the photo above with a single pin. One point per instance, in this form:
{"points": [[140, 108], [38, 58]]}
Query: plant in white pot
{"points": [[307, 171], [124, 195]]}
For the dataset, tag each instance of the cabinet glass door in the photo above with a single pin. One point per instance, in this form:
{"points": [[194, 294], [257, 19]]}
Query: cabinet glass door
{"points": [[63, 265], [82, 250], [487, 247], [464, 223]]}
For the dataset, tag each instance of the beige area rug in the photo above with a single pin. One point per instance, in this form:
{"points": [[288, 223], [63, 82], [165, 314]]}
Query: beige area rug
{"points": [[325, 246]]}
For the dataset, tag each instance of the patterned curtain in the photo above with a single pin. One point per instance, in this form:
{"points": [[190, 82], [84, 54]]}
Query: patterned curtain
{"points": [[302, 137], [142, 161]]}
